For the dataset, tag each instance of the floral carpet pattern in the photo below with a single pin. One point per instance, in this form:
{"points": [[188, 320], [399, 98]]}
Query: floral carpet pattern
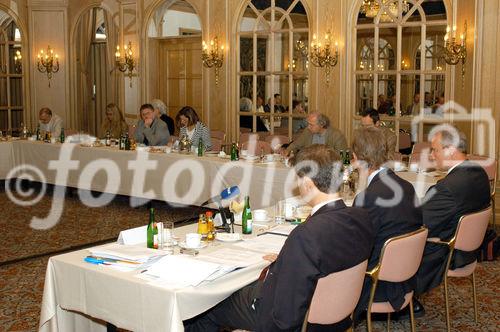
{"points": [[22, 277]]}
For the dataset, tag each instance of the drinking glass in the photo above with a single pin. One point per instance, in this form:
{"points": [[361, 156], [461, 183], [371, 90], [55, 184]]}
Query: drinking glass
{"points": [[168, 236], [279, 212]]}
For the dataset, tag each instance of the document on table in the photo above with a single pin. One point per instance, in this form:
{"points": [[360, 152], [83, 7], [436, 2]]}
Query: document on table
{"points": [[134, 253], [178, 271], [232, 257], [267, 243], [282, 229]]}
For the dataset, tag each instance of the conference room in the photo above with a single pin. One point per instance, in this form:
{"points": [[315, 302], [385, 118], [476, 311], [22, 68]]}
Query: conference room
{"points": [[255, 165]]}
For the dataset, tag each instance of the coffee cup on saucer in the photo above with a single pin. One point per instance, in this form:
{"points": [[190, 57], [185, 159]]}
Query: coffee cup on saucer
{"points": [[193, 240], [259, 215]]}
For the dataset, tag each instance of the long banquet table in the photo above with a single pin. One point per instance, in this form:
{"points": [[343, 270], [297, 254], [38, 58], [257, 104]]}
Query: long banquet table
{"points": [[173, 177]]}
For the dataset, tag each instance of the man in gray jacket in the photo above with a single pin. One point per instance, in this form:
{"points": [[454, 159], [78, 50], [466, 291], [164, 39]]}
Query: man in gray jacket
{"points": [[318, 131], [150, 130]]}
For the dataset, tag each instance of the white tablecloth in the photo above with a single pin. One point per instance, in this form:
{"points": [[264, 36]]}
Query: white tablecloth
{"points": [[176, 178], [77, 294], [6, 159]]}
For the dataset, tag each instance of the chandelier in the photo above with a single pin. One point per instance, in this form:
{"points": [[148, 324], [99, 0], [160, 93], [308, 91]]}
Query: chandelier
{"points": [[371, 8]]}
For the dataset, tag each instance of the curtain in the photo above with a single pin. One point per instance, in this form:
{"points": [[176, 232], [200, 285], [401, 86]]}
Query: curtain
{"points": [[113, 78], [84, 37]]}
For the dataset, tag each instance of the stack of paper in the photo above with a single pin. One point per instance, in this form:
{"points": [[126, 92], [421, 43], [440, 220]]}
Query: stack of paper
{"points": [[230, 259], [120, 252], [178, 271], [267, 243]]}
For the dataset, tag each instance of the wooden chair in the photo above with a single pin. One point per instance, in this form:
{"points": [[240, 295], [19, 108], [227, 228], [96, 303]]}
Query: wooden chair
{"points": [[276, 141], [219, 134], [245, 130], [490, 166], [468, 237], [404, 141], [346, 285], [131, 130], [399, 261], [216, 144], [247, 137], [421, 147], [256, 148]]}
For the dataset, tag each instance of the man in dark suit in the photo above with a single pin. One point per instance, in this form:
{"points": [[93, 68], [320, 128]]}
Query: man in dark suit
{"points": [[391, 203], [334, 238], [464, 190]]}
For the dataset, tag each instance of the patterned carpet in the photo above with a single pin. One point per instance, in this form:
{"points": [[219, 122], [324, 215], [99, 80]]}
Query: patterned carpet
{"points": [[21, 282]]}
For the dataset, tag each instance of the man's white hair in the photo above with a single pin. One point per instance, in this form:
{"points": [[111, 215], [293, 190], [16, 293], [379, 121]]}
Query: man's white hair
{"points": [[159, 105]]}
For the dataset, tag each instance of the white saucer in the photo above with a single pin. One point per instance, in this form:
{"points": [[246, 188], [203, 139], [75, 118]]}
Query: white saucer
{"points": [[228, 237], [262, 220], [183, 245]]}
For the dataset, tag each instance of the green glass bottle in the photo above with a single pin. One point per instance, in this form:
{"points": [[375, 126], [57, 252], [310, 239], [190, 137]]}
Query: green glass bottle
{"points": [[347, 160], [246, 218], [152, 231], [200, 147], [234, 152], [38, 132], [62, 137], [127, 142]]}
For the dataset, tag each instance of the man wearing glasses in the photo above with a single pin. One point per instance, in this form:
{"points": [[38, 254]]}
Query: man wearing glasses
{"points": [[318, 131], [464, 190]]}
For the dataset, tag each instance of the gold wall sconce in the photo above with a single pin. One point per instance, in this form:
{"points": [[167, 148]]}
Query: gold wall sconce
{"points": [[213, 56], [18, 67], [47, 62], [126, 63], [324, 55], [454, 51]]}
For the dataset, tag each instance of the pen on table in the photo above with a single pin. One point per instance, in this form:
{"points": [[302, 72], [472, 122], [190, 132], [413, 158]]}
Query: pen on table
{"points": [[112, 260]]}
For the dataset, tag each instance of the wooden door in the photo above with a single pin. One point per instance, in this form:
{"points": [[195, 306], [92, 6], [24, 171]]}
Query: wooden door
{"points": [[180, 67]]}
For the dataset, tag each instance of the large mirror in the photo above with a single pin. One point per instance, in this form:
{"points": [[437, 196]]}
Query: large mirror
{"points": [[11, 76], [174, 58], [273, 67], [406, 75]]}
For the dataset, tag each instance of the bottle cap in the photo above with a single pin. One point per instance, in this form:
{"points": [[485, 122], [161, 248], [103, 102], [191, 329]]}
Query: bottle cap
{"points": [[209, 214]]}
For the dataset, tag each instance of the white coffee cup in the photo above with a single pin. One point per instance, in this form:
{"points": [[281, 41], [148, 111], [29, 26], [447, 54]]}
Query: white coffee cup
{"points": [[193, 240], [259, 215], [414, 167], [244, 153], [53, 140]]}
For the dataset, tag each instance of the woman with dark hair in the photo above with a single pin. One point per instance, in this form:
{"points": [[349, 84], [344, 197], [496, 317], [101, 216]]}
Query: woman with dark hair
{"points": [[189, 124], [114, 123]]}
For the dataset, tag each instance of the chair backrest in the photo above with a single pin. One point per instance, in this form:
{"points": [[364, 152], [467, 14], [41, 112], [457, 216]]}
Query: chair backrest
{"points": [[422, 159], [419, 147], [276, 140], [404, 140], [244, 130], [336, 295], [219, 134], [70, 132], [216, 144], [256, 147], [172, 139], [131, 130], [247, 137], [471, 229], [488, 164], [397, 157], [401, 255]]}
